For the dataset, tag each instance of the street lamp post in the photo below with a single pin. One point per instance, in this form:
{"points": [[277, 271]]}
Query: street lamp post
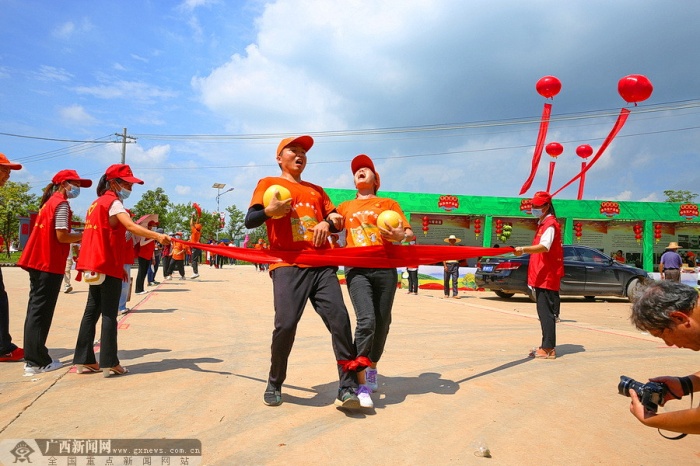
{"points": [[219, 187]]}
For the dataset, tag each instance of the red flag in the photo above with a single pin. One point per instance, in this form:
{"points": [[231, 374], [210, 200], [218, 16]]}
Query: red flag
{"points": [[544, 124]]}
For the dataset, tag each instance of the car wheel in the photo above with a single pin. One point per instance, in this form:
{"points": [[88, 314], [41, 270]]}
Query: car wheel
{"points": [[503, 294], [633, 289], [589, 298]]}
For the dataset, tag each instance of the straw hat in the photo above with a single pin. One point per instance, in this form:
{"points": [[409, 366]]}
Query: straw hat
{"points": [[457, 240], [673, 245]]}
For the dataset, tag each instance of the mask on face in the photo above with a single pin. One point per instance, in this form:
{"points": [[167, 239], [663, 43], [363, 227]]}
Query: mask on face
{"points": [[123, 193], [536, 212], [73, 192]]}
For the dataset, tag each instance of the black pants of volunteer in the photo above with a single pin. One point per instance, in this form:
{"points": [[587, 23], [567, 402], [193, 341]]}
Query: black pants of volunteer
{"points": [[548, 305], [176, 264], [103, 301], [44, 288], [413, 281], [292, 287], [372, 293], [6, 345], [452, 272], [672, 275], [144, 264]]}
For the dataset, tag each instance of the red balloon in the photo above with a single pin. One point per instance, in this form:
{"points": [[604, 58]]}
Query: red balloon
{"points": [[584, 151], [635, 88], [548, 86], [554, 149]]}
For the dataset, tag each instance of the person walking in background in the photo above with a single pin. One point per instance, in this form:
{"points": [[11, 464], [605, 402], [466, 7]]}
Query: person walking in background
{"points": [[195, 236], [144, 256], [44, 257], [177, 260], [73, 252], [302, 222], [102, 254], [545, 271], [129, 257], [155, 261], [412, 279], [9, 352], [371, 290], [451, 268], [670, 263]]}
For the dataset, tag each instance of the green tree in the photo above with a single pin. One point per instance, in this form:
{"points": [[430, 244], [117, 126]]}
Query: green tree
{"points": [[235, 227], [15, 202], [679, 196], [153, 202]]}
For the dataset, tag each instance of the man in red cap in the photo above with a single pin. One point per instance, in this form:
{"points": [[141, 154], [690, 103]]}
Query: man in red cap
{"points": [[545, 271], [302, 222], [8, 350]]}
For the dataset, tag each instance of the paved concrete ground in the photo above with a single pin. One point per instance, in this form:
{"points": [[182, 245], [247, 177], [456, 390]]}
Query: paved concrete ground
{"points": [[454, 374]]}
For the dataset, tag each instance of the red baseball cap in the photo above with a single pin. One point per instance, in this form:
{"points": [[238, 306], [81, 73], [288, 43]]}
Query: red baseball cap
{"points": [[6, 163], [123, 172], [541, 198], [363, 161], [305, 142], [70, 175]]}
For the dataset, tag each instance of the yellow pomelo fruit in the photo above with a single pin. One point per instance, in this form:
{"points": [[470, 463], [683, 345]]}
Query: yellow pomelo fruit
{"points": [[388, 217], [281, 193]]}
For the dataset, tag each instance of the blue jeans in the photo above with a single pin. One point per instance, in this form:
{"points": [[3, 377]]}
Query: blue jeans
{"points": [[125, 288], [452, 271]]}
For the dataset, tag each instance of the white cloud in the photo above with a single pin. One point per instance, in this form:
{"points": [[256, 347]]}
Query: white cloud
{"points": [[51, 73], [76, 114], [127, 90], [183, 190]]}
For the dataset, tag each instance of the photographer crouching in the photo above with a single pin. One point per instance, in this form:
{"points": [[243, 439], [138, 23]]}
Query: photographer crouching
{"points": [[668, 310]]}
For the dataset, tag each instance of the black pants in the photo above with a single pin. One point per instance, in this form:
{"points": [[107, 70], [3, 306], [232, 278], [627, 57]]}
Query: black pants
{"points": [[176, 264], [196, 259], [372, 293], [6, 344], [548, 305], [413, 281], [44, 288], [142, 273], [166, 265], [103, 301], [292, 287]]}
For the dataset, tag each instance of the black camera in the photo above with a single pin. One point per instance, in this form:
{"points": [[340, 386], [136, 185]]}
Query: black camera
{"points": [[651, 394]]}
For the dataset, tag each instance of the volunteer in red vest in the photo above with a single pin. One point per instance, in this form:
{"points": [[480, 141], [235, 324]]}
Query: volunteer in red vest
{"points": [[102, 263], [545, 271], [44, 257], [144, 251], [9, 352]]}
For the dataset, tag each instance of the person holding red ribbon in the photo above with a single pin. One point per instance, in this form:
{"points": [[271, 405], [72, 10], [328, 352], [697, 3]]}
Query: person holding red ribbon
{"points": [[545, 271], [302, 222], [372, 289]]}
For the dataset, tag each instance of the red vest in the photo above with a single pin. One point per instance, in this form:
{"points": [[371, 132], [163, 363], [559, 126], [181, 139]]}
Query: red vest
{"points": [[146, 250], [103, 247], [43, 251], [547, 269]]}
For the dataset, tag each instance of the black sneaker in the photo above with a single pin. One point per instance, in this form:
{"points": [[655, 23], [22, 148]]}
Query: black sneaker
{"points": [[347, 399], [273, 395]]}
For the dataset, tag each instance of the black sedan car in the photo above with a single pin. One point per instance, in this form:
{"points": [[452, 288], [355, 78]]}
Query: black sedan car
{"points": [[587, 272]]}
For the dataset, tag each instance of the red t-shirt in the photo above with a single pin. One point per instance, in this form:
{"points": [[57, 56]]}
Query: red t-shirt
{"points": [[310, 205]]}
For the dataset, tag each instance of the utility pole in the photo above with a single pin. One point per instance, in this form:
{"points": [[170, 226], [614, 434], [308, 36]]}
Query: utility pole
{"points": [[124, 137]]}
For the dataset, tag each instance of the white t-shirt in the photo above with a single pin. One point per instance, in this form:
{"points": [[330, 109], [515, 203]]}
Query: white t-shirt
{"points": [[547, 237]]}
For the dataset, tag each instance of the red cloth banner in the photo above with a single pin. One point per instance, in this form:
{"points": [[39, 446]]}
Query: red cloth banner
{"points": [[383, 257], [621, 119], [544, 124], [551, 174], [582, 182]]}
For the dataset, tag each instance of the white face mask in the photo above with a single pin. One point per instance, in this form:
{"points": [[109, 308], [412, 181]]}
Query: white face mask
{"points": [[536, 212]]}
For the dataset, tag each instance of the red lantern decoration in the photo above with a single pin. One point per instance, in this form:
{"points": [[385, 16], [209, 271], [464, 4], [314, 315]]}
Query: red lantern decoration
{"points": [[578, 231], [499, 227], [584, 151], [638, 232], [425, 225], [554, 149], [477, 227], [657, 232], [548, 87], [635, 88]]}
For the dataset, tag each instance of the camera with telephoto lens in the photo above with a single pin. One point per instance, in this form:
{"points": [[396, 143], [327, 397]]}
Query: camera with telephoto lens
{"points": [[650, 394]]}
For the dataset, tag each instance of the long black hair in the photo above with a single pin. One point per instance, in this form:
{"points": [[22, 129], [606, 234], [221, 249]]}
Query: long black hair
{"points": [[48, 192]]}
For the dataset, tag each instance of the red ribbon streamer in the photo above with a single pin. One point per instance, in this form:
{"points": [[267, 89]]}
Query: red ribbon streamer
{"points": [[544, 124], [621, 119], [582, 183], [359, 362], [384, 257], [551, 175]]}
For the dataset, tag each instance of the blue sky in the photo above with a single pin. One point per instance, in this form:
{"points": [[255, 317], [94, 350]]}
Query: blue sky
{"points": [[441, 94]]}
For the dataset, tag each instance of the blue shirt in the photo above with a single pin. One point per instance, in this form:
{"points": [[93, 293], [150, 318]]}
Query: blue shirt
{"points": [[671, 260]]}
